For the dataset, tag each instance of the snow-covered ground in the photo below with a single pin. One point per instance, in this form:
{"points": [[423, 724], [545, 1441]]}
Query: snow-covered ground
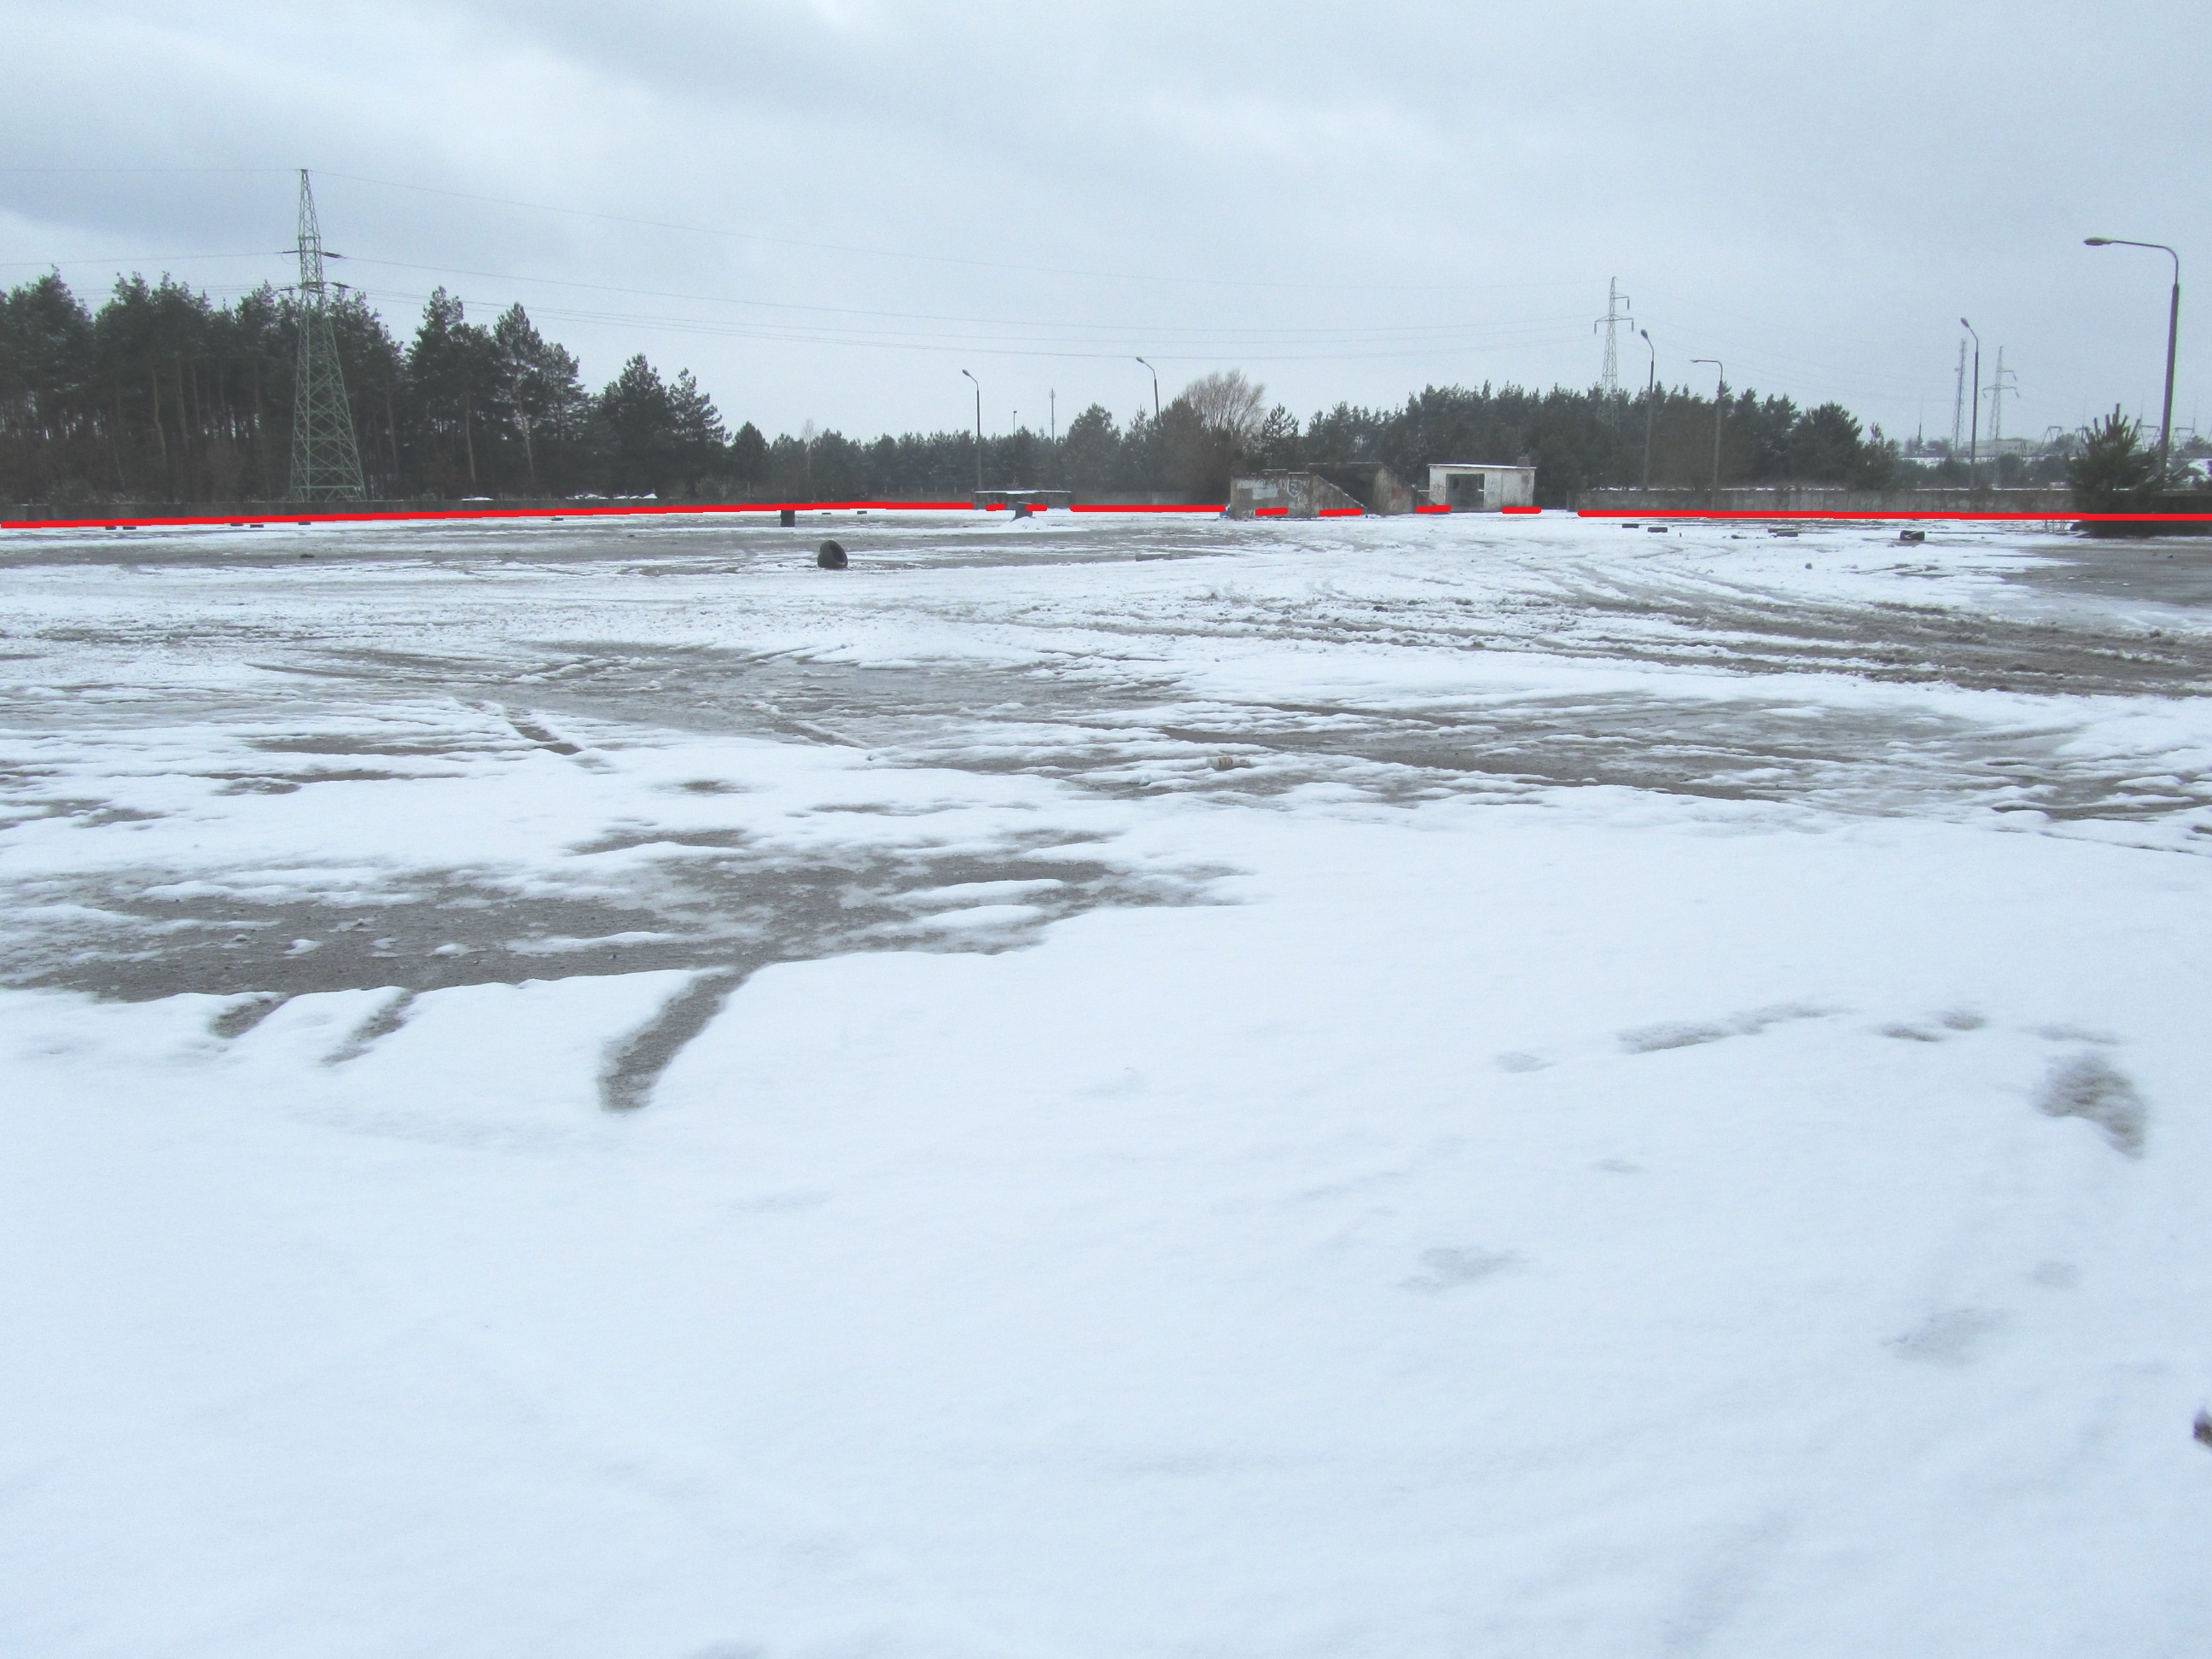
{"points": [[1095, 1088]]}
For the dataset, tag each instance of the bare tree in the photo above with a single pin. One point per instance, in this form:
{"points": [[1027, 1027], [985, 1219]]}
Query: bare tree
{"points": [[1228, 406]]}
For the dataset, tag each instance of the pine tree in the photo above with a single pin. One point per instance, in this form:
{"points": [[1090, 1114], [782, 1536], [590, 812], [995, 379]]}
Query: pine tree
{"points": [[2112, 472], [749, 455], [541, 398], [636, 424], [451, 376]]}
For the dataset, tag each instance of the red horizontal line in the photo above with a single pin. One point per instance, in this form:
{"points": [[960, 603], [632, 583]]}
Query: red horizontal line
{"points": [[1825, 512], [435, 515]]}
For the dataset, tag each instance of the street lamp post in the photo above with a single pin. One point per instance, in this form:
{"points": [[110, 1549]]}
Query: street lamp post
{"points": [[1650, 392], [1156, 392], [1974, 443], [979, 436], [2172, 334], [1720, 406]]}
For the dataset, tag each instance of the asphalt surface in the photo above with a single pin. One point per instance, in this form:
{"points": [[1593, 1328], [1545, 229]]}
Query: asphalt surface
{"points": [[114, 633]]}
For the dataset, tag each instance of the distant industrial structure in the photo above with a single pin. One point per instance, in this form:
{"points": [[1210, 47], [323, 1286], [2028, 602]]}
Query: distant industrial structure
{"points": [[1351, 488]]}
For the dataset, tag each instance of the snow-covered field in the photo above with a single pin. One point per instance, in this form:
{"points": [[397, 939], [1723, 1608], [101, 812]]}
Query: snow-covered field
{"points": [[1097, 1089]]}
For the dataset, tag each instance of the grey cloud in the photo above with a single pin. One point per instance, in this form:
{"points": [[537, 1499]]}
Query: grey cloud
{"points": [[1814, 193]]}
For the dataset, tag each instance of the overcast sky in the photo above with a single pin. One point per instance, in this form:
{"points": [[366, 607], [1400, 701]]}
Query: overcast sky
{"points": [[828, 210]]}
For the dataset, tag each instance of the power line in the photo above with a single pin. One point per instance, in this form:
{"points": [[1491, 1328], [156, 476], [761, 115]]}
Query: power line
{"points": [[140, 258], [1148, 331], [941, 258], [862, 249], [1189, 351]]}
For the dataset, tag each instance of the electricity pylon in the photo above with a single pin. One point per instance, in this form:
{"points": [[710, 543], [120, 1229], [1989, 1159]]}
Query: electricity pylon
{"points": [[1998, 391], [325, 462], [1614, 299]]}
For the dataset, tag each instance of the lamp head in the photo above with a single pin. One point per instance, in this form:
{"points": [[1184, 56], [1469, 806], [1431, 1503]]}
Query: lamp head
{"points": [[2096, 241]]}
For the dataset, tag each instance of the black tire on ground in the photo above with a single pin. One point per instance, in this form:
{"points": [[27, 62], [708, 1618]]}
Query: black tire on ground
{"points": [[831, 557]]}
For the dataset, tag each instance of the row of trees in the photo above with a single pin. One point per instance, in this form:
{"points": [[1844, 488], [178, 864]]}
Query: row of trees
{"points": [[162, 394]]}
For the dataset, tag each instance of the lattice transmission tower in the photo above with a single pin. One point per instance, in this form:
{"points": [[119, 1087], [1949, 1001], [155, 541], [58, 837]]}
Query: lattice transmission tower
{"points": [[2002, 384], [1615, 316], [325, 461]]}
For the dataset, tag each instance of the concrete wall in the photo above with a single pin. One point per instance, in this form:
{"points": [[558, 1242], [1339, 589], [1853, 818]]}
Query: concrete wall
{"points": [[1287, 495], [1145, 498], [1372, 485]]}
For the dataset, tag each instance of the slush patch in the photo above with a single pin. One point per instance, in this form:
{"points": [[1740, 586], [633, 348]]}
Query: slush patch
{"points": [[2087, 1085], [1448, 1269], [1686, 1034], [1649, 1039], [1953, 1337], [537, 734]]}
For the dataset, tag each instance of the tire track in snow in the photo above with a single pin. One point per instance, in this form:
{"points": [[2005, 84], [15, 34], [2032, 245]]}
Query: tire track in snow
{"points": [[635, 1064]]}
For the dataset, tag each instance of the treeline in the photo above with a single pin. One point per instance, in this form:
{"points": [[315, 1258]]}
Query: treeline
{"points": [[163, 395]]}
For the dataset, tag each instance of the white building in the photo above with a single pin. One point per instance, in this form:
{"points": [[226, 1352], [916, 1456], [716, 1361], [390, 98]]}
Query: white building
{"points": [[1479, 487]]}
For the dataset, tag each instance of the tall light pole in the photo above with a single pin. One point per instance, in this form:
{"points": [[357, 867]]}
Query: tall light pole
{"points": [[1720, 405], [1156, 392], [1974, 444], [1650, 392], [2172, 334], [979, 436]]}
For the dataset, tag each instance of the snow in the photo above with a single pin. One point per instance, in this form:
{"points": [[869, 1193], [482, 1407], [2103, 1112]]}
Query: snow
{"points": [[1656, 1106]]}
